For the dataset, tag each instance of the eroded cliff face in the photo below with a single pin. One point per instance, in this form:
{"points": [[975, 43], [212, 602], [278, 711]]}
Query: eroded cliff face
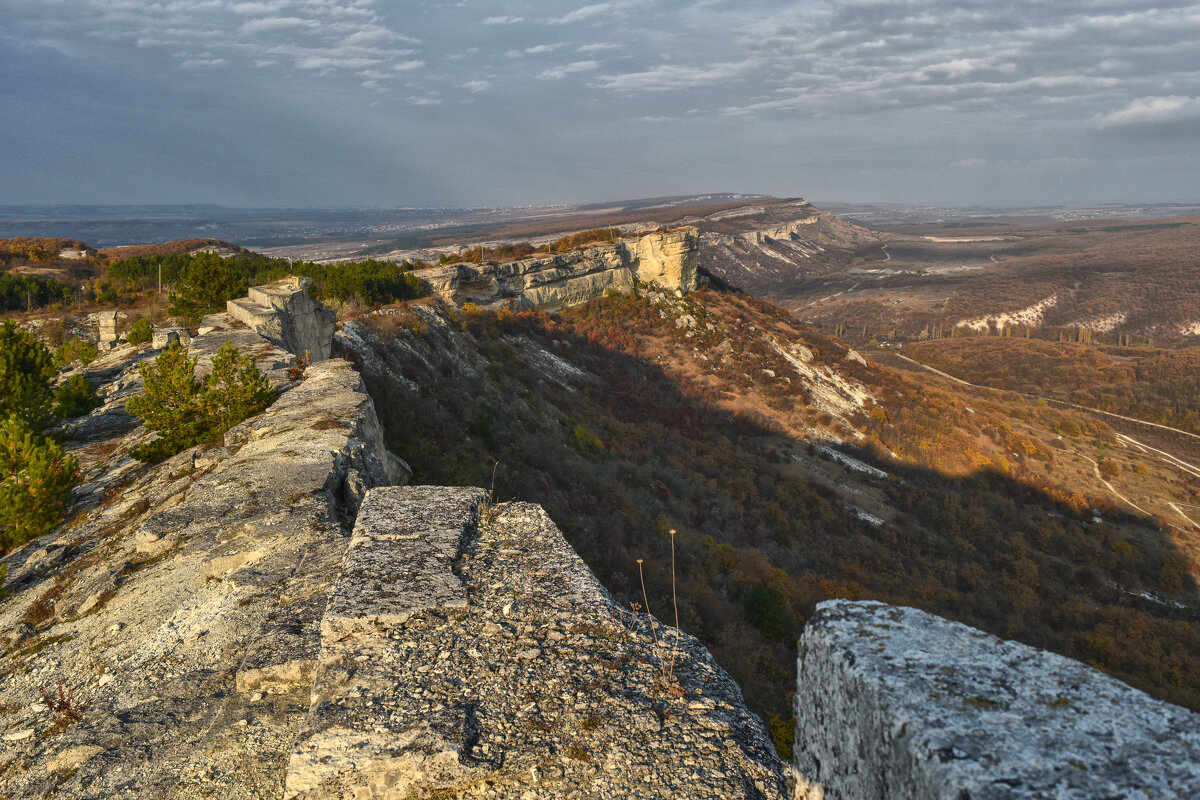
{"points": [[766, 250], [667, 258], [283, 313]]}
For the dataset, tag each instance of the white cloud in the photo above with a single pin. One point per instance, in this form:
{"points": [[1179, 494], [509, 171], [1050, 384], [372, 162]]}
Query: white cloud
{"points": [[202, 63], [600, 47], [332, 62], [503, 20], [405, 66], [475, 87], [672, 76], [1149, 111], [970, 163], [557, 73], [584, 13], [542, 48], [374, 35], [266, 24], [250, 9]]}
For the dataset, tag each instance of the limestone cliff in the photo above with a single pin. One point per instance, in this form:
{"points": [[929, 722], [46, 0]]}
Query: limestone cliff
{"points": [[766, 250], [666, 258]]}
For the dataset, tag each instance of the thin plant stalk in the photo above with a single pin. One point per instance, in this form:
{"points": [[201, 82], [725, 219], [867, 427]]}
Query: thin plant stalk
{"points": [[645, 597], [675, 602]]}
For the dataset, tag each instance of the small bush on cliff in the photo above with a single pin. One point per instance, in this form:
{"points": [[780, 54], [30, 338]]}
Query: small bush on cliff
{"points": [[75, 349], [185, 412], [140, 332], [75, 397], [586, 443], [36, 479]]}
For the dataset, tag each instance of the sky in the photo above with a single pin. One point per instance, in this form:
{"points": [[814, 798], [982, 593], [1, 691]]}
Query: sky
{"points": [[394, 103]]}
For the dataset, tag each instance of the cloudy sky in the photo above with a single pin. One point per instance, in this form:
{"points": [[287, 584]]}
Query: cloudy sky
{"points": [[498, 102]]}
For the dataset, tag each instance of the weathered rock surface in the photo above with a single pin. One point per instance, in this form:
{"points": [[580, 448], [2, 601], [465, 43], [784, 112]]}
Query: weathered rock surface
{"points": [[166, 645], [520, 677], [893, 702], [284, 313], [553, 282]]}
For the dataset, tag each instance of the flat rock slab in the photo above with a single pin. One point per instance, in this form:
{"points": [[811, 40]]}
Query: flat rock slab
{"points": [[386, 581], [416, 510], [893, 702], [401, 557]]}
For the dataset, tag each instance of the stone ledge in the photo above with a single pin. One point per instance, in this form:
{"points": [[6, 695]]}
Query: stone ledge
{"points": [[537, 687], [893, 702]]}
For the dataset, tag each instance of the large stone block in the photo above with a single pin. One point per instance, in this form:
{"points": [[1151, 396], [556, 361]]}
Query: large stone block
{"points": [[284, 313], [896, 703]]}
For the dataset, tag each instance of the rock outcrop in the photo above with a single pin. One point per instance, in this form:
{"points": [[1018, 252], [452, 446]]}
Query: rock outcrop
{"points": [[283, 313], [521, 677], [767, 250], [893, 702], [666, 258]]}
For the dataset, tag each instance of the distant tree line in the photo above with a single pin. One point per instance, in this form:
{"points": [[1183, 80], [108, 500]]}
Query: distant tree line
{"points": [[27, 292], [517, 250], [203, 282]]}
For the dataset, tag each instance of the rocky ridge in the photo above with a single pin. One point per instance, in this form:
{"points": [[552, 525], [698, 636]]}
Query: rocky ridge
{"points": [[212, 629], [522, 678], [137, 633], [767, 249]]}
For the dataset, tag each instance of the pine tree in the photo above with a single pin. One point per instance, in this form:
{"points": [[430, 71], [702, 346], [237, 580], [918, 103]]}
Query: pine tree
{"points": [[26, 370], [185, 412], [170, 404], [235, 390], [205, 284], [36, 479]]}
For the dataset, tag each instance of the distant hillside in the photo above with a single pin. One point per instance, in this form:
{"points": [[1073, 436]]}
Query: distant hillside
{"points": [[1156, 385], [774, 250], [217, 246], [40, 251], [1112, 282]]}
